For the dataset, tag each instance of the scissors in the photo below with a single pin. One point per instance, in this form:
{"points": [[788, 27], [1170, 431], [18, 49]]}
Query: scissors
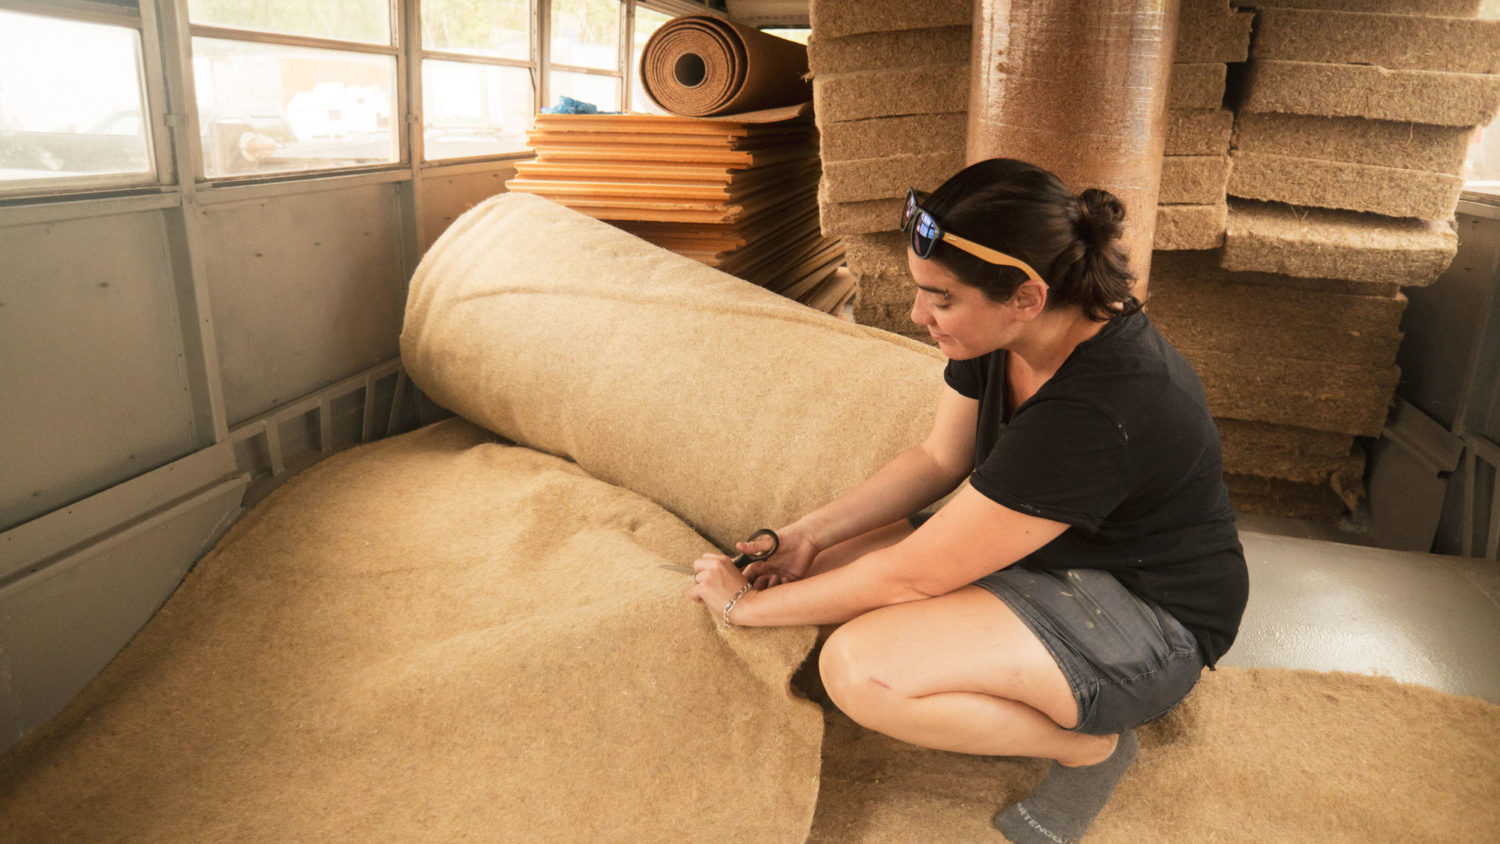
{"points": [[740, 560]]}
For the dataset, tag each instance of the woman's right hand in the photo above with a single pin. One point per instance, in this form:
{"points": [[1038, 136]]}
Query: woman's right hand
{"points": [[790, 562]]}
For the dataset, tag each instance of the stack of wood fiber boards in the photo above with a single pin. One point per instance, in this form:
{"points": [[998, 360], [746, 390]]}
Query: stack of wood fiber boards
{"points": [[739, 196], [891, 94], [1350, 133], [1191, 210]]}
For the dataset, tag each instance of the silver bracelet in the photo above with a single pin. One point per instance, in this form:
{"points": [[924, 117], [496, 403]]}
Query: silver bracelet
{"points": [[729, 606]]}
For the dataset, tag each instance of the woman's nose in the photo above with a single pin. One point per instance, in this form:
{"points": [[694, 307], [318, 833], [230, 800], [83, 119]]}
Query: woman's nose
{"points": [[920, 314]]}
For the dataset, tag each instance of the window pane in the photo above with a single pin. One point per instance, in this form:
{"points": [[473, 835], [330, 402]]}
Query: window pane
{"points": [[646, 23], [798, 34], [474, 109], [70, 102], [366, 21], [1482, 170], [500, 28], [267, 108], [586, 33], [602, 91]]}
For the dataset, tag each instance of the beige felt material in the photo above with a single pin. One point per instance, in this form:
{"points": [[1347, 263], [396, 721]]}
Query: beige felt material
{"points": [[838, 18], [1188, 227], [1219, 314], [1209, 31], [1350, 90], [584, 352], [1398, 42], [891, 92], [888, 177], [879, 136], [895, 318], [1285, 452], [1313, 243], [435, 637], [1336, 184], [845, 218], [1437, 8], [1343, 398], [901, 48], [1197, 85], [1193, 179], [1253, 755], [1199, 131], [1383, 143]]}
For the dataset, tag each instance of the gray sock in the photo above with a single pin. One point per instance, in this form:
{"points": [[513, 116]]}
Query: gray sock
{"points": [[1060, 810]]}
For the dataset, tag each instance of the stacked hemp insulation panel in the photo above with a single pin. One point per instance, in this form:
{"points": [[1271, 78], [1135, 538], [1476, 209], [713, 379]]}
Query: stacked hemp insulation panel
{"points": [[1350, 133], [1191, 209], [891, 96]]}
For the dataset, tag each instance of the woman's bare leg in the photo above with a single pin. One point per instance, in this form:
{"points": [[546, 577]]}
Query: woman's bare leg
{"points": [[959, 672]]}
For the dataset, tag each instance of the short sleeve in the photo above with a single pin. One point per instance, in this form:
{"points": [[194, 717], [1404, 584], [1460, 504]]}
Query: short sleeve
{"points": [[1060, 459], [966, 377]]}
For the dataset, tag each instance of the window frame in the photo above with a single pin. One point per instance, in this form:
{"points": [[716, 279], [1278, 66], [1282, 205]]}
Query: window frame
{"points": [[153, 98], [400, 110], [169, 90]]}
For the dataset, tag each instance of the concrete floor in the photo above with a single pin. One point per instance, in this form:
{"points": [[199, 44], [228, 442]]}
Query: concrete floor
{"points": [[1321, 603]]}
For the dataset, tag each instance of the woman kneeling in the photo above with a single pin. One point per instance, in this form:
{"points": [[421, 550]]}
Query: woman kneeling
{"points": [[1075, 588]]}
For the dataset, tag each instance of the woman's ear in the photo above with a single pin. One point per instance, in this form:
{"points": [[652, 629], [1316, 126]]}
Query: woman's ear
{"points": [[1029, 299]]}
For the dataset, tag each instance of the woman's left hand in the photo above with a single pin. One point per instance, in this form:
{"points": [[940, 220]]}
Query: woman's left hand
{"points": [[715, 581]]}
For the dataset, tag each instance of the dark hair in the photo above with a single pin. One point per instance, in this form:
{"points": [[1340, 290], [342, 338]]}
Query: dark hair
{"points": [[1025, 211]]}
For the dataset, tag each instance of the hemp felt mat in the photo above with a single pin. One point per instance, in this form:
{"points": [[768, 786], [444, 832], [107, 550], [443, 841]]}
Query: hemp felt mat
{"points": [[731, 406], [435, 637], [1253, 755]]}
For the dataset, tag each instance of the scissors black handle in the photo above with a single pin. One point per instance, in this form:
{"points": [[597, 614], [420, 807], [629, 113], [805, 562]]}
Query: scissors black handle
{"points": [[743, 560]]}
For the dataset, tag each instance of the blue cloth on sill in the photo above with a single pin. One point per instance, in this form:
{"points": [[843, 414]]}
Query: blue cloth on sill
{"points": [[568, 105]]}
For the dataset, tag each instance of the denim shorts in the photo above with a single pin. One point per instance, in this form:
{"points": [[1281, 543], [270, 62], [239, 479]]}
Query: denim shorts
{"points": [[1128, 661]]}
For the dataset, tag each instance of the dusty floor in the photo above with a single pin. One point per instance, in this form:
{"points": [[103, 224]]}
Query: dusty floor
{"points": [[1334, 606]]}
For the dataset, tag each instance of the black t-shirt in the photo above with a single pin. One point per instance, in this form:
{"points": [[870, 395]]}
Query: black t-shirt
{"points": [[1119, 444]]}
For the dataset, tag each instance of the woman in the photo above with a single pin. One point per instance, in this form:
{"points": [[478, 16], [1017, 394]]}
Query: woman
{"points": [[1095, 512]]}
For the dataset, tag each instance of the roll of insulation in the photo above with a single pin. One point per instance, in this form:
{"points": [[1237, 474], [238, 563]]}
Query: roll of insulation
{"points": [[1081, 92], [701, 66]]}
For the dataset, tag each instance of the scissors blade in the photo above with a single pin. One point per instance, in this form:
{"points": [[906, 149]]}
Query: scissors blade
{"points": [[681, 569]]}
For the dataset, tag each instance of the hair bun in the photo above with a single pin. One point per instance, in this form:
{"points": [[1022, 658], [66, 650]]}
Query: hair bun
{"points": [[1103, 217]]}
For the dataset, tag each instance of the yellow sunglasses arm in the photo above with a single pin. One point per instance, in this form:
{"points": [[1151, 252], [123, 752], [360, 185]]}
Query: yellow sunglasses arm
{"points": [[992, 256]]}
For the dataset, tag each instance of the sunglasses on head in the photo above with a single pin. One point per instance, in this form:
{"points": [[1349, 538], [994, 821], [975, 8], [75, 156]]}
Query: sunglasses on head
{"points": [[926, 233]]}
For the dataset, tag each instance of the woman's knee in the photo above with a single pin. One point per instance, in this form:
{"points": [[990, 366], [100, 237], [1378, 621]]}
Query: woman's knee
{"points": [[850, 669]]}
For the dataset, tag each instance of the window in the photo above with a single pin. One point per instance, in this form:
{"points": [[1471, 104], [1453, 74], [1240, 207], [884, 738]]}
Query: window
{"points": [[477, 77], [647, 22], [291, 86], [1482, 170], [800, 34], [72, 105], [586, 37]]}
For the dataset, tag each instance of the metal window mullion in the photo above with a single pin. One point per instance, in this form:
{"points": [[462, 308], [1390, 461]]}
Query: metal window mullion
{"points": [[622, 58], [154, 74], [410, 14], [181, 114], [199, 30], [543, 29], [402, 107]]}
